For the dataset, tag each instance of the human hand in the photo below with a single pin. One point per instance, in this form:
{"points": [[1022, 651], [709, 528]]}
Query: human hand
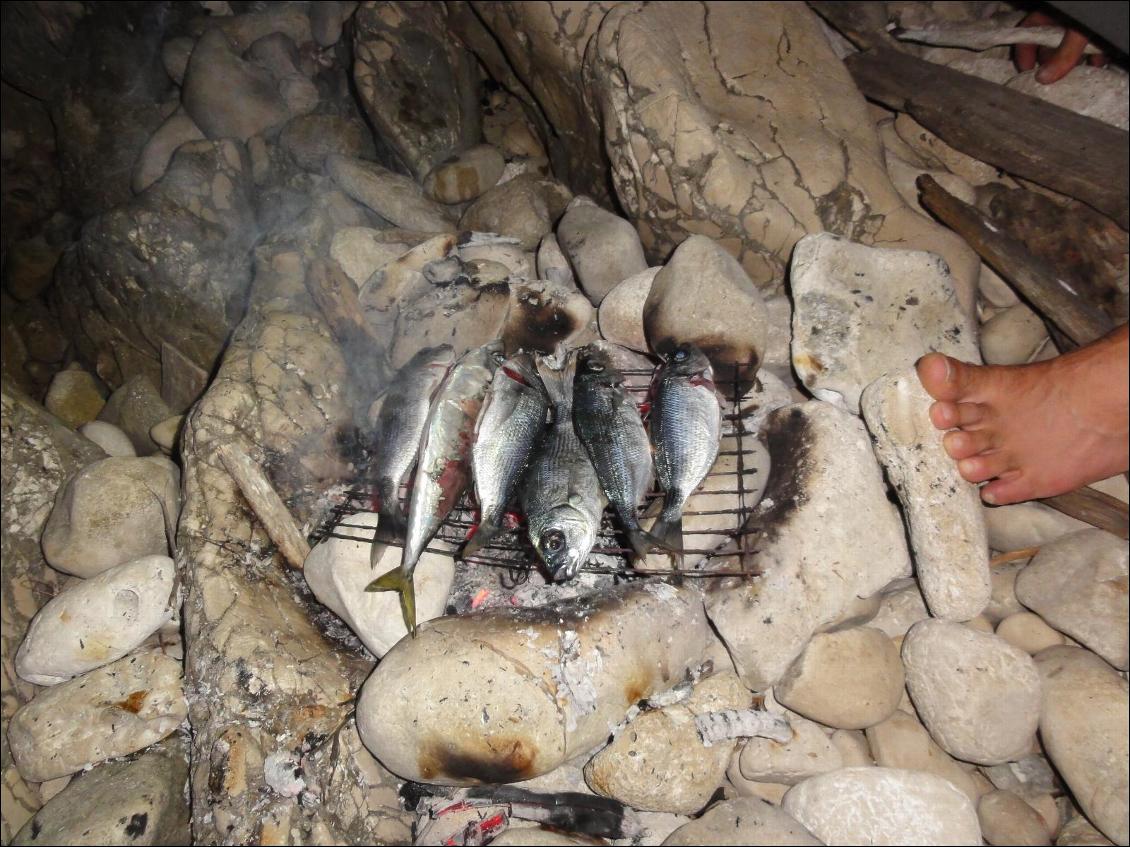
{"points": [[1055, 63]]}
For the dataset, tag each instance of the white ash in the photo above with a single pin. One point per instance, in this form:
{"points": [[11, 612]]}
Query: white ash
{"points": [[741, 723], [283, 772], [573, 673]]}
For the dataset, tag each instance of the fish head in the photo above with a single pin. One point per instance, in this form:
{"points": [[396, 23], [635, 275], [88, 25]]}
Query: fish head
{"points": [[594, 366], [520, 370], [440, 357], [564, 542], [688, 361]]}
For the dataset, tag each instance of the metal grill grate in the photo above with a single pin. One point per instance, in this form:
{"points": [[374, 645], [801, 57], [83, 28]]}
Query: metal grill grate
{"points": [[512, 551]]}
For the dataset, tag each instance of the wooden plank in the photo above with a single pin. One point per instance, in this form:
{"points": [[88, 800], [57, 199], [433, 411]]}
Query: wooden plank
{"points": [[1034, 278], [1094, 507], [1069, 153]]}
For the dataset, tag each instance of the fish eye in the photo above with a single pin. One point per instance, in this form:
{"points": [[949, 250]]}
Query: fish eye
{"points": [[553, 540], [680, 354], [594, 366]]}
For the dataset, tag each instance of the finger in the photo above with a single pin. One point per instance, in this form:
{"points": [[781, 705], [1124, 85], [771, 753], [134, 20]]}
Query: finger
{"points": [[1066, 56], [1097, 60], [1024, 55]]}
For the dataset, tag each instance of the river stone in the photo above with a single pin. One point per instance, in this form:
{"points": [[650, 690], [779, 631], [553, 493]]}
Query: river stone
{"points": [[703, 295], [310, 138], [136, 407], [338, 570], [854, 749], [944, 512], [503, 251], [112, 711], [74, 397], [1003, 602], [1078, 585], [394, 197], [29, 267], [977, 694], [659, 763], [460, 315], [227, 97], [861, 312], [602, 247], [1083, 723], [851, 679], [362, 251], [809, 752], [822, 460], [1013, 336], [901, 741], [621, 311], [113, 511], [151, 165], [1006, 820], [745, 820], [110, 438], [465, 176], [1023, 525], [551, 262], [165, 433], [544, 314], [560, 678], [138, 801], [883, 806], [1078, 832], [900, 607], [524, 208], [98, 621], [1028, 632]]}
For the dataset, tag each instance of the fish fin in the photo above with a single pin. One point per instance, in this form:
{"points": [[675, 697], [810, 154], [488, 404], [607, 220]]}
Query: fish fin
{"points": [[668, 534], [395, 580], [392, 527], [484, 533]]}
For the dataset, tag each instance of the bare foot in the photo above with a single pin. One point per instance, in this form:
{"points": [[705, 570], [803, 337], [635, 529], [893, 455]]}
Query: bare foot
{"points": [[1035, 430], [1056, 63]]}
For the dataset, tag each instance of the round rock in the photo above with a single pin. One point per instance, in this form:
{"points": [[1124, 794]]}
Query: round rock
{"points": [[98, 621], [745, 820], [977, 694], [1006, 820], [1078, 585], [465, 176], [883, 806], [74, 397], [110, 438], [1028, 632], [902, 742], [1083, 722], [621, 311], [113, 511], [603, 248], [809, 752], [524, 208], [849, 679]]}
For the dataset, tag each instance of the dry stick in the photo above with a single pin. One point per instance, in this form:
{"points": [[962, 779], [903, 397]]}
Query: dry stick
{"points": [[1069, 153], [266, 503], [1096, 508], [1032, 277], [336, 296], [1012, 556], [984, 35]]}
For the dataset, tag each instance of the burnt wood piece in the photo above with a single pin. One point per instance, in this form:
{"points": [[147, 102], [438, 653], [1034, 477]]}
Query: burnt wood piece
{"points": [[1094, 507], [1034, 278], [336, 296], [1069, 153]]}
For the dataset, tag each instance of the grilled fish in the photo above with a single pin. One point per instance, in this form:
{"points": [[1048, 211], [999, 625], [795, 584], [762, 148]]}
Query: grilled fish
{"points": [[560, 492], [512, 419], [444, 470], [607, 421], [399, 426], [686, 429]]}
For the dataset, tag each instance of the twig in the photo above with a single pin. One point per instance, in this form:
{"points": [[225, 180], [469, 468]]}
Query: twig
{"points": [[266, 503], [1094, 507], [1013, 556]]}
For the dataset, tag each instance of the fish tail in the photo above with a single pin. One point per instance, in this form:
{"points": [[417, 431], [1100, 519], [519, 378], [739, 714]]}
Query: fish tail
{"points": [[483, 535], [392, 526], [667, 532], [396, 580]]}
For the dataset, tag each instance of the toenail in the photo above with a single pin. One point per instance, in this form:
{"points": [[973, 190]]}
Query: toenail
{"points": [[989, 497], [949, 369]]}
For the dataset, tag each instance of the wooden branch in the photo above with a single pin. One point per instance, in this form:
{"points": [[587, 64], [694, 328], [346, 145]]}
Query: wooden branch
{"points": [[1013, 556], [336, 296], [864, 24], [1034, 278], [985, 35], [266, 503], [1069, 153], [1094, 507]]}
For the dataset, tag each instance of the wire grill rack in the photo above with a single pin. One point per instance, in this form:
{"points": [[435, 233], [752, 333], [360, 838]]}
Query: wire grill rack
{"points": [[512, 550]]}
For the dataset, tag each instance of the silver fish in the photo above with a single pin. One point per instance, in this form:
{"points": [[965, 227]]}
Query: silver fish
{"points": [[400, 424], [509, 425], [560, 492], [444, 470], [686, 429], [607, 420]]}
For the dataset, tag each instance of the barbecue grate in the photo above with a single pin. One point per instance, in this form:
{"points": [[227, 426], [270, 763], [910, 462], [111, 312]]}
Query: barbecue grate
{"points": [[512, 550]]}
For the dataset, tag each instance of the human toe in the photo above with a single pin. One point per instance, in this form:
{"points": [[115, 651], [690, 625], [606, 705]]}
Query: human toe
{"points": [[946, 415], [1012, 487], [961, 444], [936, 372], [983, 466]]}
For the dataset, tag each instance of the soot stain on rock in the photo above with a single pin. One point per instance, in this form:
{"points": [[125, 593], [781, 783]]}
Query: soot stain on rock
{"points": [[503, 760], [137, 824], [788, 437], [538, 323]]}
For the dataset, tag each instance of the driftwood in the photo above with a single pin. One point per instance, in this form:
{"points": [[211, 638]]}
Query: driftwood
{"points": [[266, 503], [1094, 507], [1069, 153], [1035, 279], [984, 35], [336, 296]]}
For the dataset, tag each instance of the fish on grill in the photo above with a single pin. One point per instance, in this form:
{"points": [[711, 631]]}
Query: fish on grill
{"points": [[607, 421], [686, 429], [444, 469], [510, 423], [560, 493], [403, 412]]}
